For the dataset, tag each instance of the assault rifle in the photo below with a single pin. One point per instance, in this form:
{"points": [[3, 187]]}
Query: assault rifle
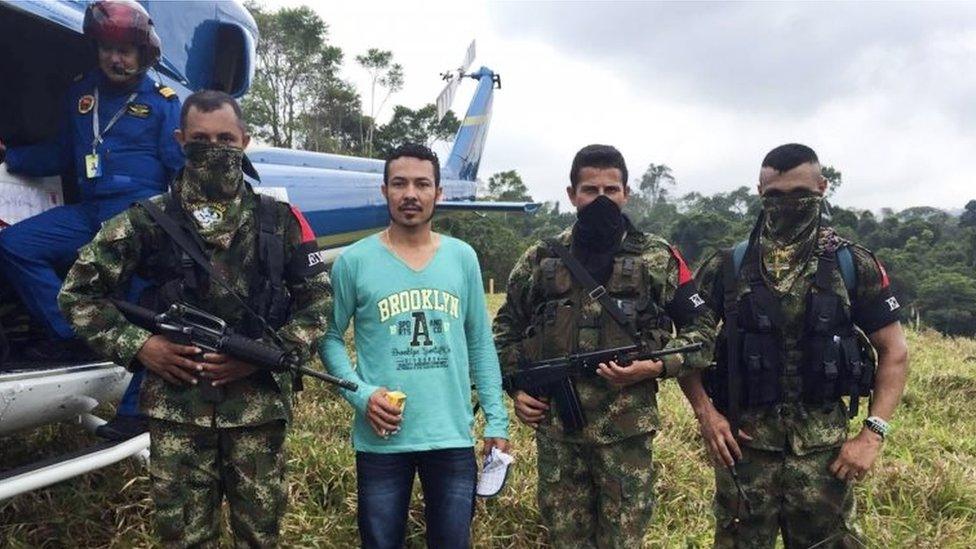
{"points": [[187, 325], [555, 377]]}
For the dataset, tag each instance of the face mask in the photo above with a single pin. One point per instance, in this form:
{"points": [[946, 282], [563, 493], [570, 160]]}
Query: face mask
{"points": [[597, 235], [214, 169], [600, 225], [791, 217]]}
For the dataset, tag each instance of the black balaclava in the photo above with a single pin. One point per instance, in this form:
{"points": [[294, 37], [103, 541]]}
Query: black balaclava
{"points": [[597, 236]]}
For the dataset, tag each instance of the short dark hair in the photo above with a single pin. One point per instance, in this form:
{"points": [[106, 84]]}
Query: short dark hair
{"points": [[413, 150], [209, 101], [597, 156], [786, 157]]}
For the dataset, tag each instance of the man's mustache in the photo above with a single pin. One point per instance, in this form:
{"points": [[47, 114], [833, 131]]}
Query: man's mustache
{"points": [[123, 71]]}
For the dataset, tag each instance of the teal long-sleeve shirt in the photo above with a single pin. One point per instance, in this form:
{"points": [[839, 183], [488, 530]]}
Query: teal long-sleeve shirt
{"points": [[425, 333]]}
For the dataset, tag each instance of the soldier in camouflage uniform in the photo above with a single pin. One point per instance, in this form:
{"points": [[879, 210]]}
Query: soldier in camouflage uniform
{"points": [[799, 347], [596, 485], [205, 447]]}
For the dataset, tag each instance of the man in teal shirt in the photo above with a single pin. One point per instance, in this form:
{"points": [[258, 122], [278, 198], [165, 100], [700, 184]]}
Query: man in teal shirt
{"points": [[421, 329]]}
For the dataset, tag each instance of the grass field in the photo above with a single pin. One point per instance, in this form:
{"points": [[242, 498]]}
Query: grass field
{"points": [[922, 492]]}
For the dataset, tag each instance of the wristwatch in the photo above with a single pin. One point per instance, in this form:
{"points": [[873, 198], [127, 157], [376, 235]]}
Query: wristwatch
{"points": [[877, 425]]}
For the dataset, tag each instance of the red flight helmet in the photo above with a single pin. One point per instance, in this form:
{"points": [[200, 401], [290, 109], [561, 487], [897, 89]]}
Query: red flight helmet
{"points": [[123, 22]]}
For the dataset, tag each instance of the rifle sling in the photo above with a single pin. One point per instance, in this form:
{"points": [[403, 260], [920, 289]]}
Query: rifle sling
{"points": [[172, 228], [730, 314], [594, 289]]}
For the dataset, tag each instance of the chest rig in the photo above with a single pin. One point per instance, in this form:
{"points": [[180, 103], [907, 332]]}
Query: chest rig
{"points": [[568, 318], [837, 360], [176, 276]]}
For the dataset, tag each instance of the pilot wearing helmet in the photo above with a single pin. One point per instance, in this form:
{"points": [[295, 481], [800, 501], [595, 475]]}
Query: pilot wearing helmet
{"points": [[116, 141]]}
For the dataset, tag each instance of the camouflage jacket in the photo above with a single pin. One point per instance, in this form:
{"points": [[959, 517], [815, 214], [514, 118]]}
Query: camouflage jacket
{"points": [[796, 426], [547, 314], [122, 249]]}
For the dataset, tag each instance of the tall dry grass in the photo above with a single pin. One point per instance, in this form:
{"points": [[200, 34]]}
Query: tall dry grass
{"points": [[921, 493]]}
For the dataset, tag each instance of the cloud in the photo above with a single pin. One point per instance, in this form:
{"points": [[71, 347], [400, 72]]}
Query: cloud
{"points": [[761, 57], [882, 91]]}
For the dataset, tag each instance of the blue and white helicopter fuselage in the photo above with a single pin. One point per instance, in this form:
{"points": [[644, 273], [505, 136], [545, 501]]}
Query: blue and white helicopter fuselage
{"points": [[205, 44]]}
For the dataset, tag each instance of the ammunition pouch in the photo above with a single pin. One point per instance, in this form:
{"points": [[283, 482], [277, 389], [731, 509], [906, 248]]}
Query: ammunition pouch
{"points": [[838, 359], [760, 351]]}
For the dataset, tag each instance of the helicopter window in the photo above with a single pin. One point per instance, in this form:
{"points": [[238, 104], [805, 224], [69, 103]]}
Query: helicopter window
{"points": [[39, 62], [229, 72]]}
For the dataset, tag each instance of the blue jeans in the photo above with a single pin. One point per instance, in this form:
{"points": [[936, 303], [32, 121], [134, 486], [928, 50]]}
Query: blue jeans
{"points": [[448, 479]]}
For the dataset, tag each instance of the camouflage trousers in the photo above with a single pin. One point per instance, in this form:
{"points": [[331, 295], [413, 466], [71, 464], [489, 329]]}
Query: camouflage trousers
{"points": [[596, 495], [795, 495], [194, 468]]}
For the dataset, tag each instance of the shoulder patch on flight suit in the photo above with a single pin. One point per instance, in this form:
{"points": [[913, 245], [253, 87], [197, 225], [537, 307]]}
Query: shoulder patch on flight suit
{"points": [[78, 77], [85, 104], [166, 92], [139, 110]]}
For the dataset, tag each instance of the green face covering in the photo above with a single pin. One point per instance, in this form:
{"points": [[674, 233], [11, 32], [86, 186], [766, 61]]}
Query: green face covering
{"points": [[215, 170], [210, 188], [791, 218]]}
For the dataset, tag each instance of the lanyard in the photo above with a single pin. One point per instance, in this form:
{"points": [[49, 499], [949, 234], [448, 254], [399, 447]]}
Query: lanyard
{"points": [[115, 118]]}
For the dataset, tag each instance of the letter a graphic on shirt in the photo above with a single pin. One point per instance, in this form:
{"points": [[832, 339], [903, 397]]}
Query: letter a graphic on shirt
{"points": [[420, 330]]}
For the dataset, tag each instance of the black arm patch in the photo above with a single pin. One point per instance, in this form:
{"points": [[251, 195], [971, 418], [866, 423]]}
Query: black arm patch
{"points": [[686, 305], [877, 313], [306, 261]]}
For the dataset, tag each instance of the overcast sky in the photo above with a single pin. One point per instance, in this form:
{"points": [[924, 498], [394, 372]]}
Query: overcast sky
{"points": [[886, 93]]}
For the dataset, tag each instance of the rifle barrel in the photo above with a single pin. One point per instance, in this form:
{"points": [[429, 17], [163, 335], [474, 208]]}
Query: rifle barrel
{"points": [[690, 348], [344, 383]]}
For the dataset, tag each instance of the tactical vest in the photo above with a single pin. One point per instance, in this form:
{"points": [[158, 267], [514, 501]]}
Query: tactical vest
{"points": [[567, 320], [837, 359], [175, 276]]}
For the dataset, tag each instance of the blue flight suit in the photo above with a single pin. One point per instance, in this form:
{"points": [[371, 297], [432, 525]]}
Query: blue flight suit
{"points": [[139, 156]]}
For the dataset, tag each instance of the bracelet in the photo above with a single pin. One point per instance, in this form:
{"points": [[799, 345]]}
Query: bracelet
{"points": [[878, 426]]}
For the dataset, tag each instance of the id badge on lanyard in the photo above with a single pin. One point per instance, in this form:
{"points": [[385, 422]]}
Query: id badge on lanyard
{"points": [[93, 161], [93, 165]]}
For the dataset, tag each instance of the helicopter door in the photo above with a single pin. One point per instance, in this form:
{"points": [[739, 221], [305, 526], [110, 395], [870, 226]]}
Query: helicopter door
{"points": [[39, 62]]}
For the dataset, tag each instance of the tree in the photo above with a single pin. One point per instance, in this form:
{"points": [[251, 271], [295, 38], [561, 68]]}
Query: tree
{"points": [[967, 221], [697, 234], [947, 302], [833, 177], [333, 122], [385, 74], [508, 187], [414, 126], [295, 65], [968, 217], [655, 182], [497, 244]]}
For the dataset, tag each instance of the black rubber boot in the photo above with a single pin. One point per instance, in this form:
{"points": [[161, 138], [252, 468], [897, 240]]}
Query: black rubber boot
{"points": [[123, 428]]}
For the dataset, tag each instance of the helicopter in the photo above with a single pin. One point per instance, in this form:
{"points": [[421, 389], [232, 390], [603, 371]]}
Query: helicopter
{"points": [[205, 45]]}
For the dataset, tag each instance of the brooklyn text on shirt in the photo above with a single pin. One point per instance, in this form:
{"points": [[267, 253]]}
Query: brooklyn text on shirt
{"points": [[424, 299]]}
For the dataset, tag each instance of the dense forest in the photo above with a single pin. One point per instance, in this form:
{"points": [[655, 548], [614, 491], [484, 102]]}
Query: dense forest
{"points": [[930, 254], [299, 100]]}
